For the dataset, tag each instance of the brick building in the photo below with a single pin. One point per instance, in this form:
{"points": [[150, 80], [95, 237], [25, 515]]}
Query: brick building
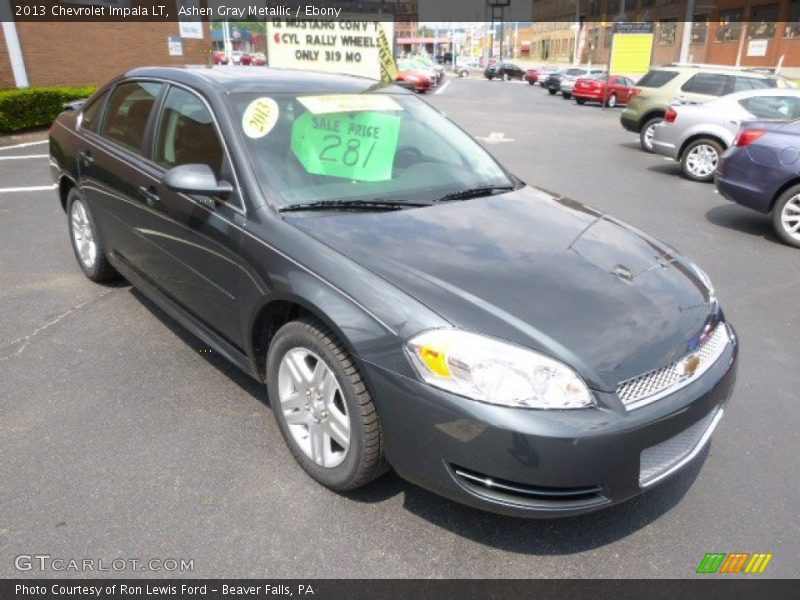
{"points": [[757, 33], [85, 53]]}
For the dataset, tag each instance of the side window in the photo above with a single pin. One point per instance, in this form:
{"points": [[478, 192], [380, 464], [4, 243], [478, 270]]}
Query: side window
{"points": [[750, 83], [92, 113], [710, 84], [186, 133], [128, 110], [772, 107]]}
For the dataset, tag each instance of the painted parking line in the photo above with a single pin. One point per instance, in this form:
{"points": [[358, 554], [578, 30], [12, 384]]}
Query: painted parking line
{"points": [[33, 188], [443, 88], [24, 156], [25, 145]]}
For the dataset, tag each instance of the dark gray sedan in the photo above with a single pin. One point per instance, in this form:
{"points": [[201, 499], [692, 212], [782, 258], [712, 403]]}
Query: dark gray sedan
{"points": [[407, 301]]}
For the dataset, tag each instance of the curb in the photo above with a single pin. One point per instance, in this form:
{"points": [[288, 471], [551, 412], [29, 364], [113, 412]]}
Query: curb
{"points": [[21, 138]]}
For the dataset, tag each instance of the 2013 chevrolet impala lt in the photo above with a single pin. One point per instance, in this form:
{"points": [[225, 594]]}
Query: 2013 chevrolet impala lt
{"points": [[408, 302]]}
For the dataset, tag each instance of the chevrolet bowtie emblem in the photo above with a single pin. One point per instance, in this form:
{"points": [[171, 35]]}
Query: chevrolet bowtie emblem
{"points": [[689, 365]]}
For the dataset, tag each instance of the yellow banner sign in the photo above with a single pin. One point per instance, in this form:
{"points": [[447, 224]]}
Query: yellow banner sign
{"points": [[631, 53]]}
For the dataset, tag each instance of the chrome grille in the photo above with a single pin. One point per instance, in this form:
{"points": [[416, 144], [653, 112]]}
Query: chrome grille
{"points": [[648, 387], [662, 459]]}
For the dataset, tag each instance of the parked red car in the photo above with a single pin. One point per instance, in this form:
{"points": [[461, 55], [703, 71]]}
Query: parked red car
{"points": [[532, 76], [414, 80], [219, 57], [246, 60], [600, 88]]}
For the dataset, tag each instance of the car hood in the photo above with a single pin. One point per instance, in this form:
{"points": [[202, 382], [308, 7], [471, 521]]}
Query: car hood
{"points": [[538, 270]]}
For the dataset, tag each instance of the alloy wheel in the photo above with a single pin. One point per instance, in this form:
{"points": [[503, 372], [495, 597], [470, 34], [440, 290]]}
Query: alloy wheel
{"points": [[702, 160], [313, 407], [82, 235], [790, 217], [649, 134], [612, 100]]}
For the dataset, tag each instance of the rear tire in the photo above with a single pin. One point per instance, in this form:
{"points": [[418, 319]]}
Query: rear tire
{"points": [[786, 216], [86, 243], [580, 100], [647, 132], [700, 158], [506, 77], [323, 408], [552, 92], [566, 96], [611, 102]]}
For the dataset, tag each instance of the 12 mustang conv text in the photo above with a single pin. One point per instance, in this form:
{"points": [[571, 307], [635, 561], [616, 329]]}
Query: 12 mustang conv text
{"points": [[406, 300]]}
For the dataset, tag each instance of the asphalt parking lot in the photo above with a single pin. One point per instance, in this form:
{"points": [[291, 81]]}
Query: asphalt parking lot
{"points": [[121, 438]]}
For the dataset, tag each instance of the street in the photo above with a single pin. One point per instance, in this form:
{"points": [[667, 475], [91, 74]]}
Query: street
{"points": [[123, 436]]}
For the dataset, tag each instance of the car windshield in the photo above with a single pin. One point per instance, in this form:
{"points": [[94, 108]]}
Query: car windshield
{"points": [[576, 71], [359, 147]]}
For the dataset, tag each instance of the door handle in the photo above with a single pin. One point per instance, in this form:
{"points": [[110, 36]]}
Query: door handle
{"points": [[150, 195], [86, 157]]}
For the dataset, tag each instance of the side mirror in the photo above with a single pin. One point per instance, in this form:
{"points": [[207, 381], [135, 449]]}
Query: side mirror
{"points": [[196, 179]]}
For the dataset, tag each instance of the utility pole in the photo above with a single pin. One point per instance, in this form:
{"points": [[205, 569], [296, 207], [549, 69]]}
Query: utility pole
{"points": [[686, 38], [575, 57]]}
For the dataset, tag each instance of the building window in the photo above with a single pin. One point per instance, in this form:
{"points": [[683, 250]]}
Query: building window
{"points": [[607, 37], [763, 22], [666, 33], [699, 29], [793, 20], [730, 26]]}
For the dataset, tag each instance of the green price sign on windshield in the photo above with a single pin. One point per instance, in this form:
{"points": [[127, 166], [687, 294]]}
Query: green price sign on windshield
{"points": [[353, 145]]}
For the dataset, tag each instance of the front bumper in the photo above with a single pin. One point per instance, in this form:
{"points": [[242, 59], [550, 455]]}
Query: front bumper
{"points": [[535, 463]]}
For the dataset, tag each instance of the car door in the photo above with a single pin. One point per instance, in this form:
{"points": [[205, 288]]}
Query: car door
{"points": [[194, 239], [112, 169]]}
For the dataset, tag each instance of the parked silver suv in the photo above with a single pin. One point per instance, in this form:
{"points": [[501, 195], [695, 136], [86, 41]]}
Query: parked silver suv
{"points": [[697, 135]]}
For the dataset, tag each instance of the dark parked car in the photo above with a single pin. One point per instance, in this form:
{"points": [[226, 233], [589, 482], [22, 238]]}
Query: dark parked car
{"points": [[406, 300], [552, 83], [504, 71], [761, 171]]}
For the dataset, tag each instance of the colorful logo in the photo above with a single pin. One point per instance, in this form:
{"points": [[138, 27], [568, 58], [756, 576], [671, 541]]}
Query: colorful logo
{"points": [[736, 562]]}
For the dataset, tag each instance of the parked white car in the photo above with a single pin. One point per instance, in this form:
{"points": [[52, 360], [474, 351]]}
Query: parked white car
{"points": [[698, 134]]}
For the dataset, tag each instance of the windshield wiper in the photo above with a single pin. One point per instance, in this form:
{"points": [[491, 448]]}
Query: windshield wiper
{"points": [[476, 192], [374, 204]]}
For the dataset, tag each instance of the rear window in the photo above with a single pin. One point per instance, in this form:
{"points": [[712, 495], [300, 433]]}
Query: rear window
{"points": [[752, 83], [575, 72], [655, 79]]}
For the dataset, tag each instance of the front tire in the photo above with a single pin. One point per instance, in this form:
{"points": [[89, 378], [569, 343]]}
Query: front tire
{"points": [[323, 408], [86, 243], [552, 92], [566, 96], [580, 100], [700, 159], [786, 216], [647, 132], [611, 102]]}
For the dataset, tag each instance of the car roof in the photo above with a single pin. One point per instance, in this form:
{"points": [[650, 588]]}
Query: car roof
{"points": [[232, 79], [722, 69]]}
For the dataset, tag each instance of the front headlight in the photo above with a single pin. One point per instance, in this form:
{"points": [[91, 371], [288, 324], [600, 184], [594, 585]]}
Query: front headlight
{"points": [[495, 372]]}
